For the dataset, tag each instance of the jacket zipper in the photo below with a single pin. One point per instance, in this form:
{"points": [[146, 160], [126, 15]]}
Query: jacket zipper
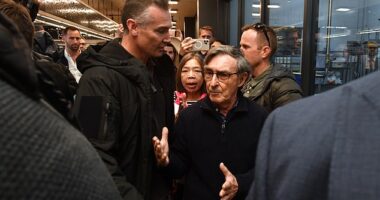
{"points": [[106, 120], [223, 129]]}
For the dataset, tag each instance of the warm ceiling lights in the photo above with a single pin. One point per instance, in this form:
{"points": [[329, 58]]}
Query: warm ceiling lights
{"points": [[173, 2], [76, 11], [59, 1], [173, 11]]}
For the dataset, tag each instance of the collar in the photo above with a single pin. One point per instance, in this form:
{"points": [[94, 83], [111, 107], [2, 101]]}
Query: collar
{"points": [[241, 105]]}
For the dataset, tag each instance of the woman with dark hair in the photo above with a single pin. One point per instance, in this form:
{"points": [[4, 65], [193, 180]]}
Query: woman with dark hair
{"points": [[190, 84]]}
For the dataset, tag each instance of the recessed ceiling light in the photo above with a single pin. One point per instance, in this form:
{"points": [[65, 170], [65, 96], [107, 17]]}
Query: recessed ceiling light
{"points": [[273, 6], [343, 9], [255, 14], [256, 6]]}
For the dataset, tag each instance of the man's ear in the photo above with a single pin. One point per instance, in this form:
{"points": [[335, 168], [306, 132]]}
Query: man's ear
{"points": [[132, 27], [266, 51], [243, 78]]}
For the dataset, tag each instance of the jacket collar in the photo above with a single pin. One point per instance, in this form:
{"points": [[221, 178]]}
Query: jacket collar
{"points": [[240, 106]]}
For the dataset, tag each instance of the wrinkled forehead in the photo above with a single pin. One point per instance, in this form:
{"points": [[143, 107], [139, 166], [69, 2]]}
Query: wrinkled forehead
{"points": [[222, 63]]}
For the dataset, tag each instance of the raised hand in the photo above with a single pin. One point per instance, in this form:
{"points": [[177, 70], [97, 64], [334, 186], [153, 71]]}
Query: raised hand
{"points": [[186, 46], [161, 148], [230, 186], [183, 100]]}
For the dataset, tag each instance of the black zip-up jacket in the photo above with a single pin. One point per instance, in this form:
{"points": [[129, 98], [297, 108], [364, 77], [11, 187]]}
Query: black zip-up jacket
{"points": [[114, 105], [204, 139]]}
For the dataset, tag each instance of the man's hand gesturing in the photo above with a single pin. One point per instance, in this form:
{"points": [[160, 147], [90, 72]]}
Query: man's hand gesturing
{"points": [[161, 148], [230, 186]]}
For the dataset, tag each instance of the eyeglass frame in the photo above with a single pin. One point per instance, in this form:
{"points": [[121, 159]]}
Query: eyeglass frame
{"points": [[262, 27], [228, 75]]}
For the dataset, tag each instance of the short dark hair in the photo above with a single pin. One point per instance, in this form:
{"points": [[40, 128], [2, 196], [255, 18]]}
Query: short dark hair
{"points": [[20, 16], [184, 60], [69, 28], [270, 32], [207, 28], [134, 9]]}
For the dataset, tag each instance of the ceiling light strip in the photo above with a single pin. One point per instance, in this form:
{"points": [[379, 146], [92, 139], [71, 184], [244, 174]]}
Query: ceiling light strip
{"points": [[96, 11], [44, 15]]}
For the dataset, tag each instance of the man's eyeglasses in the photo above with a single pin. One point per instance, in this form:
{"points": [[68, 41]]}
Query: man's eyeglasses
{"points": [[221, 76], [262, 27]]}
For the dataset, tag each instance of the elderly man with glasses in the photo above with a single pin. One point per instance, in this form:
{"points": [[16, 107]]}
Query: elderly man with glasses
{"points": [[216, 138], [271, 86]]}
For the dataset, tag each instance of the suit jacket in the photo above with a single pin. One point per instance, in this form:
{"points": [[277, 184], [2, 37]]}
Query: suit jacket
{"points": [[323, 147]]}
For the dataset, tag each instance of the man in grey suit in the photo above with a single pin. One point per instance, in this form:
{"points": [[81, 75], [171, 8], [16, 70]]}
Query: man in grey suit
{"points": [[323, 147]]}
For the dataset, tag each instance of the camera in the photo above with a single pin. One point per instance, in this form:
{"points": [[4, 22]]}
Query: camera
{"points": [[201, 45]]}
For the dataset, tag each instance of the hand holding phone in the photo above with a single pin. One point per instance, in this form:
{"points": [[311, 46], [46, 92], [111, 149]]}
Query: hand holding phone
{"points": [[201, 45]]}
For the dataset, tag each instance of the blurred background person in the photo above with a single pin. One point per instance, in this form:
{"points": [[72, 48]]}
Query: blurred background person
{"points": [[82, 44], [71, 37], [189, 82], [205, 32], [370, 60], [171, 51], [44, 43]]}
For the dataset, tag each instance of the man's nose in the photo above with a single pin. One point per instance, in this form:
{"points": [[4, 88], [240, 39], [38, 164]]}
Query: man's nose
{"points": [[167, 38], [214, 80]]}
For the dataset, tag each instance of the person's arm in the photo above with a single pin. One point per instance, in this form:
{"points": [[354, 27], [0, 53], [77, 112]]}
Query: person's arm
{"points": [[96, 111]]}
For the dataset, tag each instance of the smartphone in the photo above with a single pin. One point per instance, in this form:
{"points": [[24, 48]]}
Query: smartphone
{"points": [[201, 45]]}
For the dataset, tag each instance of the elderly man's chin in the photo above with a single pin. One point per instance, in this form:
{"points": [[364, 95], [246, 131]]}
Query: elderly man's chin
{"points": [[215, 98]]}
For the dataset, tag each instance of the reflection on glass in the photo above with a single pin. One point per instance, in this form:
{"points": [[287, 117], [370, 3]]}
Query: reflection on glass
{"points": [[286, 18], [347, 41]]}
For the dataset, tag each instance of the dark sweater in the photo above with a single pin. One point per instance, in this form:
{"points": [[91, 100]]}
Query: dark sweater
{"points": [[201, 144]]}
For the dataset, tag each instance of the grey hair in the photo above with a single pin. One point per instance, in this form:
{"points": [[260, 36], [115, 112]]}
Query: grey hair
{"points": [[242, 63]]}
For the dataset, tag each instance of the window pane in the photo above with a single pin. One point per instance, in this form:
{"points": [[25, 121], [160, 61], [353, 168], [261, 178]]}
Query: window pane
{"points": [[286, 17], [251, 11], [347, 41]]}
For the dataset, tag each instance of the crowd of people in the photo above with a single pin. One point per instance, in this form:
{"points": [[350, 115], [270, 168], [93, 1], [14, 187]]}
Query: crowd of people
{"points": [[145, 116]]}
